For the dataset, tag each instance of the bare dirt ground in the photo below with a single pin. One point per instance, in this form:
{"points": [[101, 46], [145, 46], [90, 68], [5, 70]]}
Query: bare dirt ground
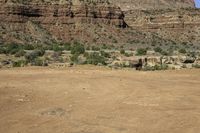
{"points": [[99, 100]]}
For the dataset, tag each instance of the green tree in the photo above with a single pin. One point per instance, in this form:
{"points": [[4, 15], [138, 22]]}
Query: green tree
{"points": [[78, 48]]}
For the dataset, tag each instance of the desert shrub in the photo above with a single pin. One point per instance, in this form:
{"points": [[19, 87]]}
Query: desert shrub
{"points": [[164, 67], [19, 63], [105, 54], [30, 57], [104, 46], [38, 62], [95, 59], [192, 54], [57, 47], [128, 54], [164, 53], [67, 46], [56, 55], [156, 67], [2, 50], [141, 51], [77, 48], [39, 52], [20, 53], [94, 48], [148, 68], [182, 51], [12, 48], [74, 58], [114, 40], [61, 60], [28, 47], [158, 50], [86, 54], [122, 51], [38, 46], [170, 50]]}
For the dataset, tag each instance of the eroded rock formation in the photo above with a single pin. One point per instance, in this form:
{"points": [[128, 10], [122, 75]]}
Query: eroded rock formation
{"points": [[57, 21], [179, 25]]}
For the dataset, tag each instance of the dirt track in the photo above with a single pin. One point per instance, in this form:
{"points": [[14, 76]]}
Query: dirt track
{"points": [[98, 100]]}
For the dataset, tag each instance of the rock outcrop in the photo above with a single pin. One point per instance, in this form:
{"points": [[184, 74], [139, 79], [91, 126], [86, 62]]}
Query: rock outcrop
{"points": [[152, 4], [171, 62], [101, 22], [179, 25], [62, 14], [47, 23]]}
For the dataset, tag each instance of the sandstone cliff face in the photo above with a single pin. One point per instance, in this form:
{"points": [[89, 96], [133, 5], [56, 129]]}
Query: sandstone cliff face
{"points": [[152, 4], [176, 20], [99, 22], [60, 22], [62, 14], [179, 25]]}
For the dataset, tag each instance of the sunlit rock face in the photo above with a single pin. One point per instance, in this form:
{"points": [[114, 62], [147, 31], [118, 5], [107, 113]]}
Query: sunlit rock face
{"points": [[152, 4], [61, 22]]}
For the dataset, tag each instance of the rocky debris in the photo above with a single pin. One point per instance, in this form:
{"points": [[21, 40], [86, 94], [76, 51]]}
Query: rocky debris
{"points": [[157, 62]]}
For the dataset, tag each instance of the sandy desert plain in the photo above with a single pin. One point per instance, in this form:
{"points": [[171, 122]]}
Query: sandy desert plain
{"points": [[86, 99]]}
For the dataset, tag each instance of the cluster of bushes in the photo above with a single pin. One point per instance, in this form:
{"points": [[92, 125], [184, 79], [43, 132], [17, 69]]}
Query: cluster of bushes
{"points": [[34, 58], [77, 48], [170, 51], [156, 67], [182, 51], [95, 59], [13, 49], [161, 51], [20, 63], [78, 55], [141, 51], [123, 52], [105, 54], [59, 47]]}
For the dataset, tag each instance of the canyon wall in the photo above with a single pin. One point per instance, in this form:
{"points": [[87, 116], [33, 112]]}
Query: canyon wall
{"points": [[152, 4], [57, 21], [180, 25], [123, 23]]}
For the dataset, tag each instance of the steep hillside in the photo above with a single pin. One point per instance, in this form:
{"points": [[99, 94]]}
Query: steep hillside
{"points": [[62, 22], [152, 4], [92, 23], [179, 25], [95, 22]]}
